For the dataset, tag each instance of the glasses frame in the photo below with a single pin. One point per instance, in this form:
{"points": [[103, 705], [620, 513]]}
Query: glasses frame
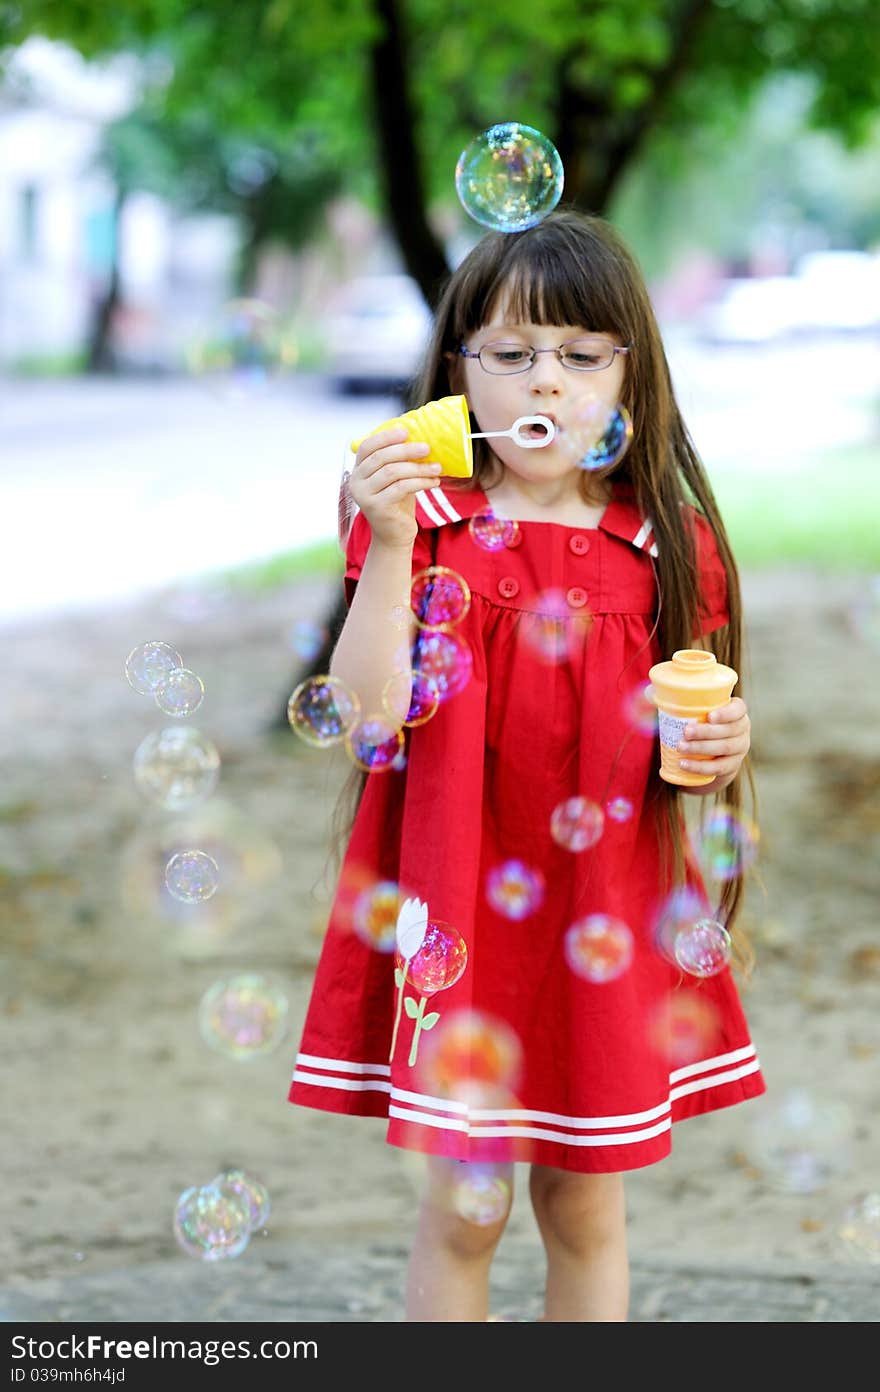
{"points": [[615, 349]]}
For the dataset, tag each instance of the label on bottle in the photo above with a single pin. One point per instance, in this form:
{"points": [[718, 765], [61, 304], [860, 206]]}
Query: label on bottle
{"points": [[671, 728]]}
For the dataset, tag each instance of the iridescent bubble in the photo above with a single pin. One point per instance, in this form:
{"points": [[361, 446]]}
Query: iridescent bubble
{"points": [[482, 1195], [244, 1016], [554, 631], [241, 1185], [410, 699], [577, 823], [865, 612], [211, 1224], [176, 767], [703, 948], [147, 666], [509, 177], [599, 948], [859, 1228], [373, 744], [492, 533], [192, 876], [614, 426], [307, 638], [243, 352], [726, 843], [374, 915], [639, 709], [439, 962], [443, 661], [180, 693], [619, 809], [346, 509], [684, 1028], [322, 710], [515, 889], [800, 1140], [677, 916], [439, 598], [471, 1057], [400, 618]]}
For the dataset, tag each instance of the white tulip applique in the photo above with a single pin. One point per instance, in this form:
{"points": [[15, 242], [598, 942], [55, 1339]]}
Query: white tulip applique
{"points": [[433, 958]]}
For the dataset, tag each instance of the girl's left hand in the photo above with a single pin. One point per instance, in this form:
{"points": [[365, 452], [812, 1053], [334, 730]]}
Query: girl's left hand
{"points": [[724, 737]]}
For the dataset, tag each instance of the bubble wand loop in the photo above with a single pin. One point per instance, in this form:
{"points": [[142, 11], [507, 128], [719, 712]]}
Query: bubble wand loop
{"points": [[514, 433]]}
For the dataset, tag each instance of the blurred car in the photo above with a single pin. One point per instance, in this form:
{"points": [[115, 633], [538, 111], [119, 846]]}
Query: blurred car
{"points": [[755, 309], [830, 292], [376, 330]]}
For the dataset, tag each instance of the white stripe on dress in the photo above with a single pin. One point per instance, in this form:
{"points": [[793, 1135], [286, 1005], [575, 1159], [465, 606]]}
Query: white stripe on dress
{"points": [[424, 502], [443, 502]]}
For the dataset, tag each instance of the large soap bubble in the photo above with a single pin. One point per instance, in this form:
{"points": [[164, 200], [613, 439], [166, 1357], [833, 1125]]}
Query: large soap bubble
{"points": [[509, 177]]}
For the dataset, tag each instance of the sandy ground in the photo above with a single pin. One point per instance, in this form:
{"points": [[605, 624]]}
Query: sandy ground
{"points": [[115, 1104]]}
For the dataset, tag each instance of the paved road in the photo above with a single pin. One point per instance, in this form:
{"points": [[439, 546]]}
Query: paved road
{"points": [[304, 1281], [109, 489]]}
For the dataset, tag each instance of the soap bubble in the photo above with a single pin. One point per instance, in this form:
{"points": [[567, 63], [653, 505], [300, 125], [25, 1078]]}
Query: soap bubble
{"points": [[703, 948], [859, 1228], [322, 710], [439, 598], [801, 1141], [726, 843], [491, 532], [576, 824], [509, 177], [192, 876], [148, 665], [515, 890], [481, 1195], [180, 693], [244, 1016], [373, 744], [212, 1224], [244, 1186], [176, 767], [599, 948]]}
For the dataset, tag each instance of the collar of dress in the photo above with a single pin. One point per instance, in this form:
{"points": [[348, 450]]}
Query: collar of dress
{"points": [[438, 506]]}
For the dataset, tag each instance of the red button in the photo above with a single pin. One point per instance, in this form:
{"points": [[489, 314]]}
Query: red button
{"points": [[579, 544], [514, 538], [576, 597], [508, 587]]}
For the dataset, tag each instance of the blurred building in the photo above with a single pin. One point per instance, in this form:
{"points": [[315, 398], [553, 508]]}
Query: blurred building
{"points": [[60, 229]]}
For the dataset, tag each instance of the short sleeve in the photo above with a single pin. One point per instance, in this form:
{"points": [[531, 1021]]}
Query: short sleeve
{"points": [[358, 545], [713, 611]]}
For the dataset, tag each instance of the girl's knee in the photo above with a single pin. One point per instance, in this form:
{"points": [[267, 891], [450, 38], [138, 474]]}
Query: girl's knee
{"points": [[575, 1207], [467, 1206]]}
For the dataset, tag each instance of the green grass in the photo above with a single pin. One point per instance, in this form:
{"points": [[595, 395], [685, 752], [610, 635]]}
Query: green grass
{"points": [[824, 514], [322, 558]]}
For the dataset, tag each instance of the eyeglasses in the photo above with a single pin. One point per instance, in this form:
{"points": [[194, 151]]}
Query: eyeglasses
{"points": [[581, 355]]}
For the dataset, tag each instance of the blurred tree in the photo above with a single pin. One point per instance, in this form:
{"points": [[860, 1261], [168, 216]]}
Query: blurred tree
{"points": [[277, 194], [388, 92]]}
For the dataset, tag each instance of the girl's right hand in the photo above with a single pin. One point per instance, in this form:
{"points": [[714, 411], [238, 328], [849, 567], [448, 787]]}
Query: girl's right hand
{"points": [[388, 471]]}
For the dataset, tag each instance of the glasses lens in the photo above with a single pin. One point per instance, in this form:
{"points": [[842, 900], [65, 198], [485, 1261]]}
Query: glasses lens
{"points": [[503, 358], [588, 354]]}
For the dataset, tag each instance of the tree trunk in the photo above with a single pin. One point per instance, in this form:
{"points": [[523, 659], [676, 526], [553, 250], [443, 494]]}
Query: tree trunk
{"points": [[99, 354]]}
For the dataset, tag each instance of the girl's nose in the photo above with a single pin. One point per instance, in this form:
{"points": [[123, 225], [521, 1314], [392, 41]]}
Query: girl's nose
{"points": [[545, 373]]}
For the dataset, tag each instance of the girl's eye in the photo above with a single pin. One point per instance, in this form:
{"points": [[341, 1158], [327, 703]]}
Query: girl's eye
{"points": [[508, 355]]}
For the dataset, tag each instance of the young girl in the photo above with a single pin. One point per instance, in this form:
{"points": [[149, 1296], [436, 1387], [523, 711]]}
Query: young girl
{"points": [[529, 1011]]}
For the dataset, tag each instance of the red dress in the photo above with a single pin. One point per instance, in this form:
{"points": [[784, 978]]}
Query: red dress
{"points": [[538, 1020]]}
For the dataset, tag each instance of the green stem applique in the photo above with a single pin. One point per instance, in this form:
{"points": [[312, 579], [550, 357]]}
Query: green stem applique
{"points": [[423, 1022], [399, 979]]}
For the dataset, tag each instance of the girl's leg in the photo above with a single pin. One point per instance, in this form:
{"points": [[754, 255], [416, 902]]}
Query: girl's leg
{"points": [[462, 1216], [582, 1221]]}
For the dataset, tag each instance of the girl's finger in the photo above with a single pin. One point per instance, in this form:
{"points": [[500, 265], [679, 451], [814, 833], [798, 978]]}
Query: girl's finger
{"points": [[717, 749], [386, 446]]}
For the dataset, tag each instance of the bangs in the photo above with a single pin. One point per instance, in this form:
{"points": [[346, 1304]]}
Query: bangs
{"points": [[545, 280]]}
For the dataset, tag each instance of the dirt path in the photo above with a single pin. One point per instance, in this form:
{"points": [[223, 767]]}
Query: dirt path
{"points": [[115, 1102]]}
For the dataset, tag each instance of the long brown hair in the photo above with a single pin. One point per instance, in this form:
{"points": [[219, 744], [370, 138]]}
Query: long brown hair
{"points": [[573, 268]]}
